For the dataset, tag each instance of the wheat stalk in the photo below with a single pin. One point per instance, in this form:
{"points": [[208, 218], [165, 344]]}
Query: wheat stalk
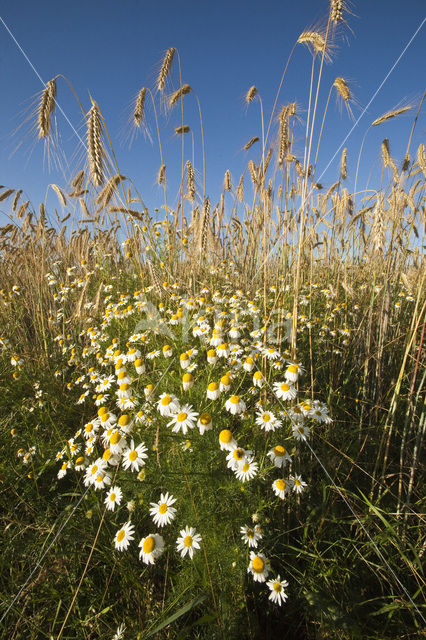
{"points": [[165, 68], [190, 182], [109, 189], [343, 164], [336, 11], [182, 129], [177, 95], [390, 114], [251, 94], [250, 143], [60, 194], [46, 109], [161, 176], [95, 147], [227, 181]]}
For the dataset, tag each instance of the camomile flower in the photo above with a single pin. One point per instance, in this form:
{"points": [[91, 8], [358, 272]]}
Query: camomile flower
{"points": [[293, 372], [267, 421], [235, 405], [106, 383], [298, 484], [151, 548], [281, 487], [247, 470], [213, 391], [226, 440], [101, 398], [133, 354], [123, 536], [63, 470], [167, 351], [300, 431], [211, 356], [184, 420], [123, 376], [99, 466], [222, 350], [237, 457], [279, 456], [284, 391], [225, 383], [113, 497], [126, 403], [248, 364], [101, 480], [152, 354], [133, 457], [125, 423], [251, 535], [81, 463], [162, 512], [258, 379], [271, 353], [259, 567], [111, 458], [107, 419], [184, 360], [188, 542], [187, 381], [204, 422], [168, 405], [277, 586], [139, 366]]}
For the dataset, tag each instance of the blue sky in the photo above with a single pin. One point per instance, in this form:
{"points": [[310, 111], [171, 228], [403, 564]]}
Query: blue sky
{"points": [[110, 50]]}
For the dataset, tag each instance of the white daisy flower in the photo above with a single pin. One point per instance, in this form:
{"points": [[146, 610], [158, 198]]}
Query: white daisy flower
{"points": [[300, 431], [247, 470], [189, 541], [279, 456], [124, 536], [152, 354], [251, 535], [213, 391], [226, 440], [113, 497], [248, 364], [211, 356], [184, 420], [133, 354], [139, 366], [222, 350], [204, 423], [277, 586], [298, 484], [151, 548], [225, 383], [284, 391], [184, 360], [267, 421], [101, 480], [237, 457], [167, 351], [99, 466], [258, 379], [168, 405], [293, 372], [235, 405], [187, 381], [259, 567], [162, 512], [133, 457], [281, 487]]}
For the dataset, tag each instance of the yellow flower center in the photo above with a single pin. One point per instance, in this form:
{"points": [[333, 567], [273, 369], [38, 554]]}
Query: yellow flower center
{"points": [[124, 386], [280, 485], [166, 401], [213, 386], [258, 564], [297, 482], [115, 438], [64, 466], [162, 508], [277, 587], [166, 347], [148, 545], [266, 417], [187, 541], [106, 454], [120, 535], [211, 353], [205, 418], [258, 375], [279, 451], [235, 399], [225, 436], [293, 368], [225, 380], [249, 360], [184, 356], [238, 454], [187, 377], [138, 362], [124, 420], [99, 478], [246, 467], [79, 460], [285, 387], [94, 469], [181, 417], [133, 455]]}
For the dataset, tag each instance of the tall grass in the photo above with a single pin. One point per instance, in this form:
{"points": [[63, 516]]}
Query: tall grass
{"points": [[289, 264]]}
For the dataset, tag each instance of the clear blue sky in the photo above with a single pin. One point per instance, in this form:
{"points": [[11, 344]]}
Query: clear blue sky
{"points": [[112, 49]]}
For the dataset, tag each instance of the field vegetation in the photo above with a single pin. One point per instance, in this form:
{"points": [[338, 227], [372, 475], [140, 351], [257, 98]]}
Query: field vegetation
{"points": [[212, 414]]}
